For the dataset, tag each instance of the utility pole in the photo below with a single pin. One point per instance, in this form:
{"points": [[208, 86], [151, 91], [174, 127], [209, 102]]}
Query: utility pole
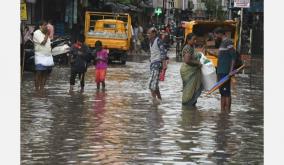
{"points": [[216, 11], [241, 30], [230, 9], [164, 11]]}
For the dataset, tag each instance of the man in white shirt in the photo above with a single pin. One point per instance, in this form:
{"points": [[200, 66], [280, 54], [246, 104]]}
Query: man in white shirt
{"points": [[158, 62], [43, 56]]}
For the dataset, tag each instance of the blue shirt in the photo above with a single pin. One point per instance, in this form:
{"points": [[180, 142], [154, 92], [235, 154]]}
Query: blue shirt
{"points": [[226, 54]]}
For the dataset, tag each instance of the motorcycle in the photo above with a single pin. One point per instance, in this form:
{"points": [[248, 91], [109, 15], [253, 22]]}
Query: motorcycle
{"points": [[59, 50], [27, 56]]}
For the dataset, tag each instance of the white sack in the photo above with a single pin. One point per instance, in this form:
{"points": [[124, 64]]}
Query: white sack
{"points": [[208, 71]]}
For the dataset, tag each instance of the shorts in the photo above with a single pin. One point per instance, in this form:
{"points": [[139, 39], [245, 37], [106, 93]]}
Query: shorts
{"points": [[39, 67], [225, 89], [163, 75], [154, 80], [100, 75], [155, 76]]}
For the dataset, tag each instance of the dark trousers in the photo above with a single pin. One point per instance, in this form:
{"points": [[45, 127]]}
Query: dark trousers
{"points": [[81, 77]]}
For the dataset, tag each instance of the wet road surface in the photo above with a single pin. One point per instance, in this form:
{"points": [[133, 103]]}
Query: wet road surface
{"points": [[122, 126]]}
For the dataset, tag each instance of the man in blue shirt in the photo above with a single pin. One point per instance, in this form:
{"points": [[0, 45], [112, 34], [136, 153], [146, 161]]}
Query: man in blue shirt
{"points": [[225, 65]]}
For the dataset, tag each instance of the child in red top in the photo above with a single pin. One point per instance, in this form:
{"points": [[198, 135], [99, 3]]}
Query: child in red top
{"points": [[101, 60]]}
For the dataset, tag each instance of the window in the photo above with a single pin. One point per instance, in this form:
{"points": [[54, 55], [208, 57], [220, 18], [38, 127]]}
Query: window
{"points": [[109, 26]]}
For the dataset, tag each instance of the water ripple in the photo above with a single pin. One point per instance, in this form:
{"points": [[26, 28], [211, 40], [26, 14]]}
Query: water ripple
{"points": [[122, 126]]}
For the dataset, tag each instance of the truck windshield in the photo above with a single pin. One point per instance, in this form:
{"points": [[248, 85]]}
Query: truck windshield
{"points": [[109, 26]]}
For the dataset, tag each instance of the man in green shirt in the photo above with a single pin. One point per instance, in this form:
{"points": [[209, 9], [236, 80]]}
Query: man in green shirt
{"points": [[225, 65]]}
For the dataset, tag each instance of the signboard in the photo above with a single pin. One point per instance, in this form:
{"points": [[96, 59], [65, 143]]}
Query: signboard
{"points": [[242, 3], [24, 15], [31, 1], [157, 3], [158, 11]]}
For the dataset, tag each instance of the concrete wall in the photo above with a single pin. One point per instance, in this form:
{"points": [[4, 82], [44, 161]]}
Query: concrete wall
{"points": [[181, 4], [157, 3]]}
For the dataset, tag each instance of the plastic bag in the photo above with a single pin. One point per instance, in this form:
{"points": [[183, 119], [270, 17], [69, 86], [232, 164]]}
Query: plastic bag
{"points": [[162, 75], [209, 77]]}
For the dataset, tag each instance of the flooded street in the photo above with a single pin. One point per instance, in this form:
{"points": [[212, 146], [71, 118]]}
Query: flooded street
{"points": [[122, 126]]}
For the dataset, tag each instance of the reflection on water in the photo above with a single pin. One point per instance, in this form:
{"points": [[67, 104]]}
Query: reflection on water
{"points": [[121, 126]]}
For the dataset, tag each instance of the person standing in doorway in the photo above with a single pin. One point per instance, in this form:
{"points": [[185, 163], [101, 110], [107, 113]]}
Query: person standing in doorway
{"points": [[157, 63], [225, 65], [43, 56]]}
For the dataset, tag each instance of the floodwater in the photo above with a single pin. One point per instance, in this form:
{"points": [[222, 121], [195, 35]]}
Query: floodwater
{"points": [[122, 126]]}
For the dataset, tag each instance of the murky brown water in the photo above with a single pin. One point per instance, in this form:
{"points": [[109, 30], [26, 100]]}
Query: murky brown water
{"points": [[121, 126]]}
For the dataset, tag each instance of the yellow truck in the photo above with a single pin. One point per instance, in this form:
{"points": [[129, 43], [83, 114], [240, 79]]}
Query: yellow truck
{"points": [[112, 29], [205, 37]]}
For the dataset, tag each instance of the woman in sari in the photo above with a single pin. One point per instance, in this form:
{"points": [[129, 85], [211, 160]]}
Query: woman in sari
{"points": [[190, 72]]}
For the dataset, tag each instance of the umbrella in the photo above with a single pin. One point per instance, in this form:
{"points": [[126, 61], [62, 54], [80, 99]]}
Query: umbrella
{"points": [[224, 79]]}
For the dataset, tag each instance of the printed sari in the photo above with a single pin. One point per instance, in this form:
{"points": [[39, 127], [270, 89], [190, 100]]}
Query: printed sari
{"points": [[191, 79]]}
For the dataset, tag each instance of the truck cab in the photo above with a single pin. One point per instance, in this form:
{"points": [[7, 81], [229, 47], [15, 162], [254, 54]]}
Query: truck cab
{"points": [[112, 29], [205, 38]]}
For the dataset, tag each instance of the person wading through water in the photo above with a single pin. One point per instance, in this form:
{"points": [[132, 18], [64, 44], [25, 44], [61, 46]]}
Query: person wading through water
{"points": [[43, 56], [101, 64], [158, 62], [80, 56], [190, 72], [225, 66]]}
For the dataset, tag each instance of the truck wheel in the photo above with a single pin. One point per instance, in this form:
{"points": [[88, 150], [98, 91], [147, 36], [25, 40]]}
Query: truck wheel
{"points": [[123, 62]]}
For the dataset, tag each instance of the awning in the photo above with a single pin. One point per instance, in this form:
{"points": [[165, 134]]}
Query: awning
{"points": [[117, 6], [123, 7], [146, 5], [134, 8]]}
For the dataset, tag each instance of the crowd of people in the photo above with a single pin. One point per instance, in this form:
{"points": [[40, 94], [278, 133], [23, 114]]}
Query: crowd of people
{"points": [[168, 34], [190, 71], [80, 54]]}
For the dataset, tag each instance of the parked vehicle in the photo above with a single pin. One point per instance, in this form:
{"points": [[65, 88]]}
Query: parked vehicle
{"points": [[205, 39], [60, 48], [112, 29], [28, 56]]}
